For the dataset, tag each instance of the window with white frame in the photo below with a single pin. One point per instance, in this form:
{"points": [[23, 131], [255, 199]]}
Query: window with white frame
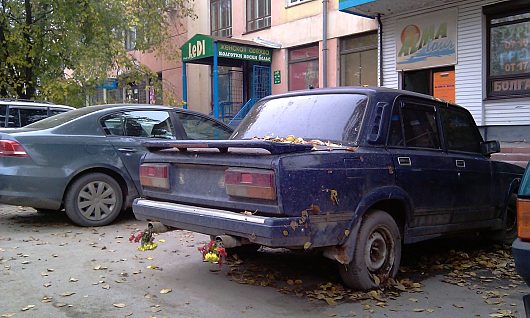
{"points": [[221, 18], [258, 14], [293, 2], [130, 39]]}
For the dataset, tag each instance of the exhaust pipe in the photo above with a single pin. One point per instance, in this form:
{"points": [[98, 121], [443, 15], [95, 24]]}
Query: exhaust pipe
{"points": [[157, 227], [228, 241]]}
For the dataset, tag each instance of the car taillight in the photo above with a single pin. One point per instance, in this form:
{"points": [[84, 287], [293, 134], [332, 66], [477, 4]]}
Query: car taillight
{"points": [[11, 148], [250, 183], [523, 218], [154, 175]]}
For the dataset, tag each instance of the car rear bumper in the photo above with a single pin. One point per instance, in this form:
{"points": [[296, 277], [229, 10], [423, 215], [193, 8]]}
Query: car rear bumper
{"points": [[40, 190], [521, 255], [290, 232]]}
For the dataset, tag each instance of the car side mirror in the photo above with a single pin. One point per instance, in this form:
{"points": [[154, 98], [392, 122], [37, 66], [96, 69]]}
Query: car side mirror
{"points": [[489, 147]]}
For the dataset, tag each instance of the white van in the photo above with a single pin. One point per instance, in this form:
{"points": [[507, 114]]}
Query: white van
{"points": [[18, 113]]}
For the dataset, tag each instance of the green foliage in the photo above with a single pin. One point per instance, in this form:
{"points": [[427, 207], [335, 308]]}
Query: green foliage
{"points": [[60, 49]]}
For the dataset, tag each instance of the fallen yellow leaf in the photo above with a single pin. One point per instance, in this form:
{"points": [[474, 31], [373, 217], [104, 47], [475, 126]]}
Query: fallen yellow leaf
{"points": [[28, 307], [165, 290], [119, 305], [330, 301]]}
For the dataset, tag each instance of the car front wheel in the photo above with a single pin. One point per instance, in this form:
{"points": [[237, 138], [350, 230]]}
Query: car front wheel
{"points": [[95, 199], [377, 252]]}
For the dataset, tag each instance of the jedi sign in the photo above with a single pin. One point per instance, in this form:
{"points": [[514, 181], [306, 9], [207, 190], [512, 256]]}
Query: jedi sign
{"points": [[200, 46]]}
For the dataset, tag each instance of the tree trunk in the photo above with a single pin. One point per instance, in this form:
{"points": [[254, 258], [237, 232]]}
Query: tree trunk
{"points": [[29, 90]]}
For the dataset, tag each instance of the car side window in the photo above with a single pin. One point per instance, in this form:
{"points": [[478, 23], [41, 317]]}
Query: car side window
{"points": [[460, 131], [31, 115], [147, 124], [414, 126], [3, 109], [13, 117], [198, 127], [395, 137]]}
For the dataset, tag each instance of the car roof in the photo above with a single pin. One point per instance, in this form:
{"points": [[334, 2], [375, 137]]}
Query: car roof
{"points": [[17, 102], [369, 90], [58, 121]]}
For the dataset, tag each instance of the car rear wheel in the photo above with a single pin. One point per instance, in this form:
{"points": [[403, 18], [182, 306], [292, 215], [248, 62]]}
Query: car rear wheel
{"points": [[377, 252], [95, 199]]}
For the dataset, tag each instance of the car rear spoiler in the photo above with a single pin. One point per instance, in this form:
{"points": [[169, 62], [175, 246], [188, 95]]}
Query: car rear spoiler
{"points": [[223, 145]]}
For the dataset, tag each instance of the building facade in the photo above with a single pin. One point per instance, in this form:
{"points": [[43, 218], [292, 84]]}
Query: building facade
{"points": [[310, 48], [474, 53]]}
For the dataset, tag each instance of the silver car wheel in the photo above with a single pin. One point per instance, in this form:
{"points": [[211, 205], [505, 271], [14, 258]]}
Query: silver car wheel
{"points": [[96, 200]]}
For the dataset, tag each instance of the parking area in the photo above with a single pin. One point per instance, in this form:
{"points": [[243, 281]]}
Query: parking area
{"points": [[51, 268]]}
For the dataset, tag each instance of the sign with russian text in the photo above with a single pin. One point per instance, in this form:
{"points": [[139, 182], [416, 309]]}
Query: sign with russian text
{"points": [[510, 49], [277, 77], [244, 52], [201, 46], [427, 40], [520, 86]]}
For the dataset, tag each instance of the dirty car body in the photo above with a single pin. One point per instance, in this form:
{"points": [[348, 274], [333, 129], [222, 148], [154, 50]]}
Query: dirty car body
{"points": [[358, 170]]}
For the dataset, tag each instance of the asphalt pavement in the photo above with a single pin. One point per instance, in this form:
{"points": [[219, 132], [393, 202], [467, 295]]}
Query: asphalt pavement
{"points": [[52, 268]]}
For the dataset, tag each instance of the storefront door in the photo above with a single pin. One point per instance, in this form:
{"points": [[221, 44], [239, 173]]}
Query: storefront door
{"points": [[437, 82]]}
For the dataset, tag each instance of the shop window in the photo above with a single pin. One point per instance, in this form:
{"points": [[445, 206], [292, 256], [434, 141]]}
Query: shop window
{"points": [[508, 44], [221, 18], [437, 82], [303, 67], [358, 60], [258, 14]]}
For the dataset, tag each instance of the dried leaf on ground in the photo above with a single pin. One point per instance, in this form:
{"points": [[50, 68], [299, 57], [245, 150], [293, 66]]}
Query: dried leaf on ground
{"points": [[165, 290], [120, 305], [28, 307]]}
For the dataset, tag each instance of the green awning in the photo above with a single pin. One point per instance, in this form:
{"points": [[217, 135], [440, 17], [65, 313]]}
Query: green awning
{"points": [[200, 49]]}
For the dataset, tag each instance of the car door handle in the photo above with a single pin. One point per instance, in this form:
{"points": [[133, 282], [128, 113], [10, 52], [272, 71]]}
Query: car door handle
{"points": [[127, 150], [460, 163], [404, 161]]}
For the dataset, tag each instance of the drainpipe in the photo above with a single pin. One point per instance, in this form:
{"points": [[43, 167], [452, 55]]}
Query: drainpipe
{"points": [[184, 86], [325, 43], [380, 48]]}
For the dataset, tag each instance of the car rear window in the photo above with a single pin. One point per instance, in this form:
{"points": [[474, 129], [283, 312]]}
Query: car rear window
{"points": [[60, 119], [327, 117]]}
